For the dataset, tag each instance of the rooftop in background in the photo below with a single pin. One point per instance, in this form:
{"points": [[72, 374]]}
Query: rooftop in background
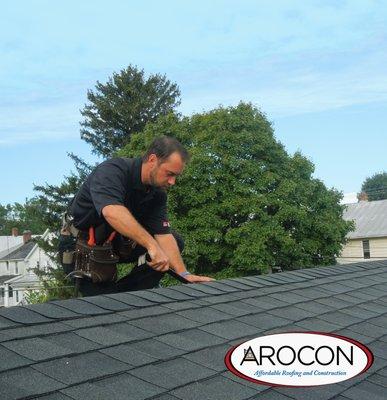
{"points": [[19, 252], [7, 242], [169, 343], [370, 218]]}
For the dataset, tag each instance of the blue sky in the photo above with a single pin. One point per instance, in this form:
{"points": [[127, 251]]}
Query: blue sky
{"points": [[316, 68]]}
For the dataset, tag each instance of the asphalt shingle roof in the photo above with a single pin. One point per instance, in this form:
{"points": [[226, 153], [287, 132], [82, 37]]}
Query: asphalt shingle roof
{"points": [[170, 343], [20, 253], [370, 219]]}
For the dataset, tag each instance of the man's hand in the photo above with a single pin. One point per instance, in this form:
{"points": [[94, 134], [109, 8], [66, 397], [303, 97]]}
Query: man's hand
{"points": [[197, 278], [160, 261]]}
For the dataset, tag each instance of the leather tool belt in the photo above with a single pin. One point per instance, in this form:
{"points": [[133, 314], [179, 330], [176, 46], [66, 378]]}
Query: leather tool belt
{"points": [[96, 262]]}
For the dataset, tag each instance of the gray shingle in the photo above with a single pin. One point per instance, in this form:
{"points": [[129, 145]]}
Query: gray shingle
{"points": [[290, 298], [7, 323], [368, 329], [190, 291], [237, 308], [355, 335], [143, 352], [51, 311], [316, 324], [172, 293], [53, 396], [113, 334], [152, 296], [359, 312], [107, 303], [170, 374], [317, 393], [164, 323], [121, 387], [366, 390], [211, 358], [379, 349], [36, 349], [204, 315], [214, 288], [80, 307], [230, 329], [25, 382], [128, 298], [10, 359], [264, 321], [340, 319], [334, 303], [35, 330], [71, 342], [378, 380], [216, 388], [314, 307], [192, 339], [266, 302], [80, 368], [95, 321], [22, 315], [292, 313], [145, 312], [223, 298], [379, 321], [372, 306], [183, 305]]}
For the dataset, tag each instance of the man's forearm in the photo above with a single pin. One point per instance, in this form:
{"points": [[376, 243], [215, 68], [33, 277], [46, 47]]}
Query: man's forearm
{"points": [[169, 245], [121, 220]]}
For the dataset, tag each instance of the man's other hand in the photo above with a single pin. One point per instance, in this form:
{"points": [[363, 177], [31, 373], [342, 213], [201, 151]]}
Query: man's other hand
{"points": [[197, 278]]}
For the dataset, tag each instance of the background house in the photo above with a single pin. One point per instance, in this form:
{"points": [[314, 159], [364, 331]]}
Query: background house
{"points": [[369, 239], [16, 265]]}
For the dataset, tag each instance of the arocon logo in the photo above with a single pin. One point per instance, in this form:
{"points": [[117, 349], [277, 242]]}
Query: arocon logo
{"points": [[299, 359]]}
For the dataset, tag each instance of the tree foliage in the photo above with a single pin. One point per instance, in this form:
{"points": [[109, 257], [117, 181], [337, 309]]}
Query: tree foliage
{"points": [[27, 216], [123, 106], [375, 186], [243, 204]]}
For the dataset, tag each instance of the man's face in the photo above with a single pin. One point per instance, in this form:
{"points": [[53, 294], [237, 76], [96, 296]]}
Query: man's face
{"points": [[164, 174]]}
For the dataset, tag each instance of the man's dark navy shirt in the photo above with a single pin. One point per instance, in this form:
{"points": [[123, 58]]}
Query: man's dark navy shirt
{"points": [[118, 182]]}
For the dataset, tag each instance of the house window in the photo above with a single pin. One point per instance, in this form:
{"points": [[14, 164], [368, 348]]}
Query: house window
{"points": [[16, 268], [10, 291], [366, 249], [2, 292], [17, 296], [7, 264]]}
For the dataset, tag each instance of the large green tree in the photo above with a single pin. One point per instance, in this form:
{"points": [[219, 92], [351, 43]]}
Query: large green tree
{"points": [[375, 186], [243, 204]]}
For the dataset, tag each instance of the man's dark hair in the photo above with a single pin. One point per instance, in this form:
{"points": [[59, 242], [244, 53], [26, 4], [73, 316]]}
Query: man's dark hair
{"points": [[163, 147]]}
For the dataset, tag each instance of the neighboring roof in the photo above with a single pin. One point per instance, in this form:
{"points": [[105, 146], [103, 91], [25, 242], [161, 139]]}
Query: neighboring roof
{"points": [[26, 280], [4, 278], [6, 242], [169, 343], [370, 218], [20, 253], [4, 253]]}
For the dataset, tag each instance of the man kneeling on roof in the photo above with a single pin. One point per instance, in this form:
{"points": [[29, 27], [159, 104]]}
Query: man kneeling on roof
{"points": [[118, 215]]}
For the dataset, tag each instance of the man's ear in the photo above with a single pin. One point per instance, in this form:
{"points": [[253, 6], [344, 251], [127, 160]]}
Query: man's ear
{"points": [[152, 159]]}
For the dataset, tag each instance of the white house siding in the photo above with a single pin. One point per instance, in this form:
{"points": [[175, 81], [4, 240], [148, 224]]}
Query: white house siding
{"points": [[353, 250]]}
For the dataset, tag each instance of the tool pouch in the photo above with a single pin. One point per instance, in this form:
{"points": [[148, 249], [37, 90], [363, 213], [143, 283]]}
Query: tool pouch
{"points": [[98, 263]]}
